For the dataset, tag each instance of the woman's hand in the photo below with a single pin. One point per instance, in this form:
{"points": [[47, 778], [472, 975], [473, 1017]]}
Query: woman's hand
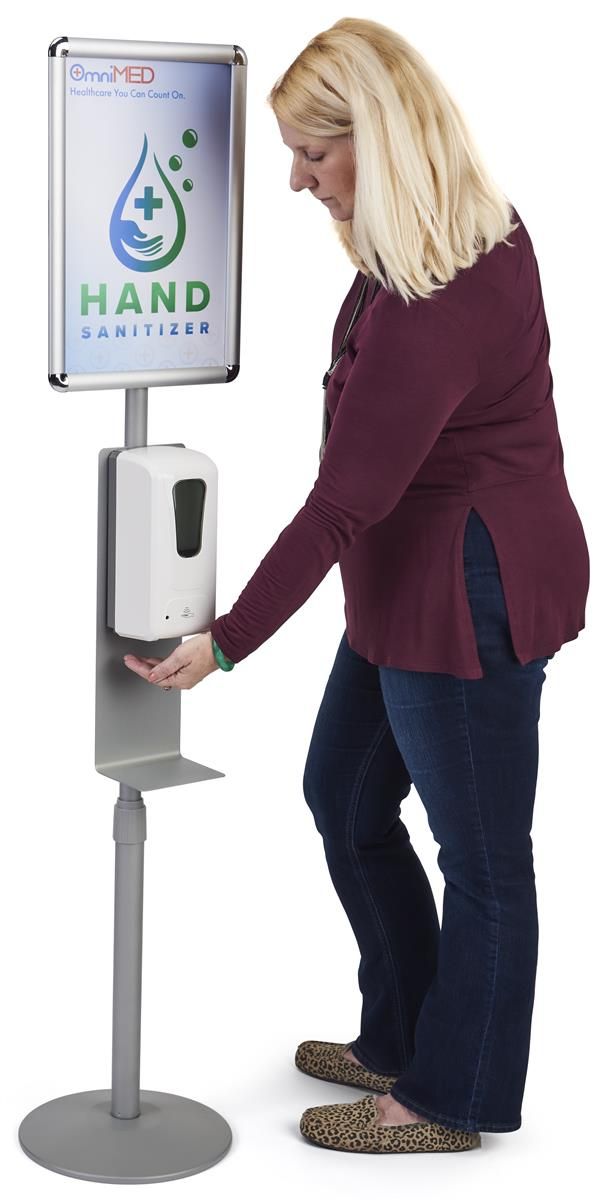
{"points": [[187, 665]]}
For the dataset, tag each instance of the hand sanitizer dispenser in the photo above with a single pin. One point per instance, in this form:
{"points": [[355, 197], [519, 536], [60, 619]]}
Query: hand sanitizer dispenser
{"points": [[161, 542]]}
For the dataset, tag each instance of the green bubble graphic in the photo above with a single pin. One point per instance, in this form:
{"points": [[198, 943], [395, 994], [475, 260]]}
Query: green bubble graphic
{"points": [[189, 138], [188, 185], [175, 162]]}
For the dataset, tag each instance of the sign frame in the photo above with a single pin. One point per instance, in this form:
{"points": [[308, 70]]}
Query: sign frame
{"points": [[60, 51]]}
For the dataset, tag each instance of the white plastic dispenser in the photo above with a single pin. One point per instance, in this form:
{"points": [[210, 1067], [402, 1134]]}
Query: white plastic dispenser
{"points": [[162, 537]]}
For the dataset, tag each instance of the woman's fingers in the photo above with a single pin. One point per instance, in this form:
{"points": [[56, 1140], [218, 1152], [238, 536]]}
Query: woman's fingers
{"points": [[138, 665], [183, 668]]}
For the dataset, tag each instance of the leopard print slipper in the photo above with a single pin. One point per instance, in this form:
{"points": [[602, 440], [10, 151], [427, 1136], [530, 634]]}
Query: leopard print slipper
{"points": [[323, 1060], [354, 1127]]}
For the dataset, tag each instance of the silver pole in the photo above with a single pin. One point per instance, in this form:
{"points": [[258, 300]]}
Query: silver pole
{"points": [[136, 417], [129, 832]]}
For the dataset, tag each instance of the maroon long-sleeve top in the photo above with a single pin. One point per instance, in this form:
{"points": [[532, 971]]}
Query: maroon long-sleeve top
{"points": [[436, 407]]}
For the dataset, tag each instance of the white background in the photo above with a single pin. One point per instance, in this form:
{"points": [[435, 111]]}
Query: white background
{"points": [[247, 950]]}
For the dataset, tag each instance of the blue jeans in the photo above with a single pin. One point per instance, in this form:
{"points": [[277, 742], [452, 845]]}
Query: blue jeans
{"points": [[445, 1010]]}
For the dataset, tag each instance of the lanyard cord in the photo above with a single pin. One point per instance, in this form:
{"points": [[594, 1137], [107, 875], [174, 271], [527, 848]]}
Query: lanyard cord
{"points": [[357, 308], [328, 373]]}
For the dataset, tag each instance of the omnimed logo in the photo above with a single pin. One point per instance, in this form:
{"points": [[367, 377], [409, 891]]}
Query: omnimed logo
{"points": [[133, 73]]}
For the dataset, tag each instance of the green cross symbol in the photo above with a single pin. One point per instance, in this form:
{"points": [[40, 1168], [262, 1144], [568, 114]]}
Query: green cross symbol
{"points": [[148, 202]]}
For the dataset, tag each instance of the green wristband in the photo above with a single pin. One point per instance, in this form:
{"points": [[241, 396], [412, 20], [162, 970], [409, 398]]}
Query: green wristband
{"points": [[224, 663]]}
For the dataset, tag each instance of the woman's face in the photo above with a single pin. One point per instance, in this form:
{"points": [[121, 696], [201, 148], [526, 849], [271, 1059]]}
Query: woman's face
{"points": [[325, 166]]}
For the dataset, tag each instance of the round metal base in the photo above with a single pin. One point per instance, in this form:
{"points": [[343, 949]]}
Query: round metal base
{"points": [[77, 1135]]}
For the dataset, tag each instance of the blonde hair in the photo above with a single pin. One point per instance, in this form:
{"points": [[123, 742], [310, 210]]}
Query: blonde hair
{"points": [[424, 203]]}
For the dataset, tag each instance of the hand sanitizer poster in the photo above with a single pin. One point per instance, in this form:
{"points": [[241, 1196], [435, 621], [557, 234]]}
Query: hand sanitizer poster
{"points": [[146, 214]]}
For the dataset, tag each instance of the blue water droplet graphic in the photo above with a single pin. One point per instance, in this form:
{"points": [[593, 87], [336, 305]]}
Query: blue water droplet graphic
{"points": [[152, 208]]}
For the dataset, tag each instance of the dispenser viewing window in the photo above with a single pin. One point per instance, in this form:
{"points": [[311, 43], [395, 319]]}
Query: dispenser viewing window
{"points": [[189, 496]]}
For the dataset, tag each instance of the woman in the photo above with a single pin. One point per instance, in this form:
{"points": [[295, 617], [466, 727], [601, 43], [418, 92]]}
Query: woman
{"points": [[441, 494]]}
